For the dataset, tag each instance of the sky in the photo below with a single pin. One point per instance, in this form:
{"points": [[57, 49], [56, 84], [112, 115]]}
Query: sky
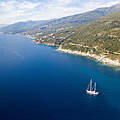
{"points": [[12, 11]]}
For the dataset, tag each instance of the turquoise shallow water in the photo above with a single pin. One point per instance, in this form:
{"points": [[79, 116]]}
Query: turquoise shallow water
{"points": [[39, 83]]}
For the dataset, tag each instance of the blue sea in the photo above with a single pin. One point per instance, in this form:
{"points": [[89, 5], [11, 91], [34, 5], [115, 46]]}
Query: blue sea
{"points": [[39, 83]]}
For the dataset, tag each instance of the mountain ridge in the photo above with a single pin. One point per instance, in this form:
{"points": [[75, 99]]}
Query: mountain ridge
{"points": [[49, 26]]}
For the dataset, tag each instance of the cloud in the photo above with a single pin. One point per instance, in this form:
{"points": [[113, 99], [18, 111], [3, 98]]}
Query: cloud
{"points": [[94, 4], [66, 2], [12, 11]]}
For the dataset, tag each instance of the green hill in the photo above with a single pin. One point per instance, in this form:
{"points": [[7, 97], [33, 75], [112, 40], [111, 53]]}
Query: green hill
{"points": [[101, 37]]}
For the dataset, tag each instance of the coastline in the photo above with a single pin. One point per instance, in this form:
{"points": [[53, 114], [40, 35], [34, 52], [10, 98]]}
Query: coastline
{"points": [[49, 44], [102, 59]]}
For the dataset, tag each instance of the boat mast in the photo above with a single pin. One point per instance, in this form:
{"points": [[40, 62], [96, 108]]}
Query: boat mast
{"points": [[91, 84], [95, 86]]}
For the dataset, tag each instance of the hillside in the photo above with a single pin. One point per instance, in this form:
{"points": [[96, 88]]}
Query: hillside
{"points": [[51, 26], [101, 38]]}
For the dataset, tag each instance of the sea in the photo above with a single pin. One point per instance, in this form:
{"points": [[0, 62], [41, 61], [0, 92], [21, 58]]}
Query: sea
{"points": [[37, 82]]}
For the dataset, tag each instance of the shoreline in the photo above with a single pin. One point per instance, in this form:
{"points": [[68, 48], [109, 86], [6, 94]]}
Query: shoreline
{"points": [[48, 44], [102, 59]]}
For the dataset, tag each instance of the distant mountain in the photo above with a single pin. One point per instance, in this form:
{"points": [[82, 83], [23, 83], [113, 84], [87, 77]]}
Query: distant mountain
{"points": [[3, 25], [78, 19], [21, 27], [33, 27]]}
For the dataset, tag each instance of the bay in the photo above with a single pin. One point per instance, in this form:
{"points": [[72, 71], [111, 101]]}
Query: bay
{"points": [[39, 83]]}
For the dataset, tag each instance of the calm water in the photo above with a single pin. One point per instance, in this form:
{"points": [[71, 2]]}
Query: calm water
{"points": [[39, 83]]}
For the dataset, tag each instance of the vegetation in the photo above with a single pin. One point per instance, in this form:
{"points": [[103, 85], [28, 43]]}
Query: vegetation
{"points": [[99, 37]]}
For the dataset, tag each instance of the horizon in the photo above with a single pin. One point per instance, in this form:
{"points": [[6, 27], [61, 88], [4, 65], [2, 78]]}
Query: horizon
{"points": [[36, 10]]}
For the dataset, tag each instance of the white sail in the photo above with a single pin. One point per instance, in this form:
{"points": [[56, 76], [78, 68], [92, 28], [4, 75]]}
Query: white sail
{"points": [[92, 88], [90, 84], [95, 86]]}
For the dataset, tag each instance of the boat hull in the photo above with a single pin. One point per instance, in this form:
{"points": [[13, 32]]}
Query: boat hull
{"points": [[92, 92]]}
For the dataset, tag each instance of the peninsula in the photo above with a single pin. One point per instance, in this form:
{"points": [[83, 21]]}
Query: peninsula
{"points": [[95, 34], [99, 39]]}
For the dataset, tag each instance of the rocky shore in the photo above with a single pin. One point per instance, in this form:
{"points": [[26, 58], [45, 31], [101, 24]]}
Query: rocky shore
{"points": [[102, 58]]}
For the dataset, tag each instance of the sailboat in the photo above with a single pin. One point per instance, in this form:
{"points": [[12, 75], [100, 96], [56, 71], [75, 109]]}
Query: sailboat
{"points": [[92, 88]]}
